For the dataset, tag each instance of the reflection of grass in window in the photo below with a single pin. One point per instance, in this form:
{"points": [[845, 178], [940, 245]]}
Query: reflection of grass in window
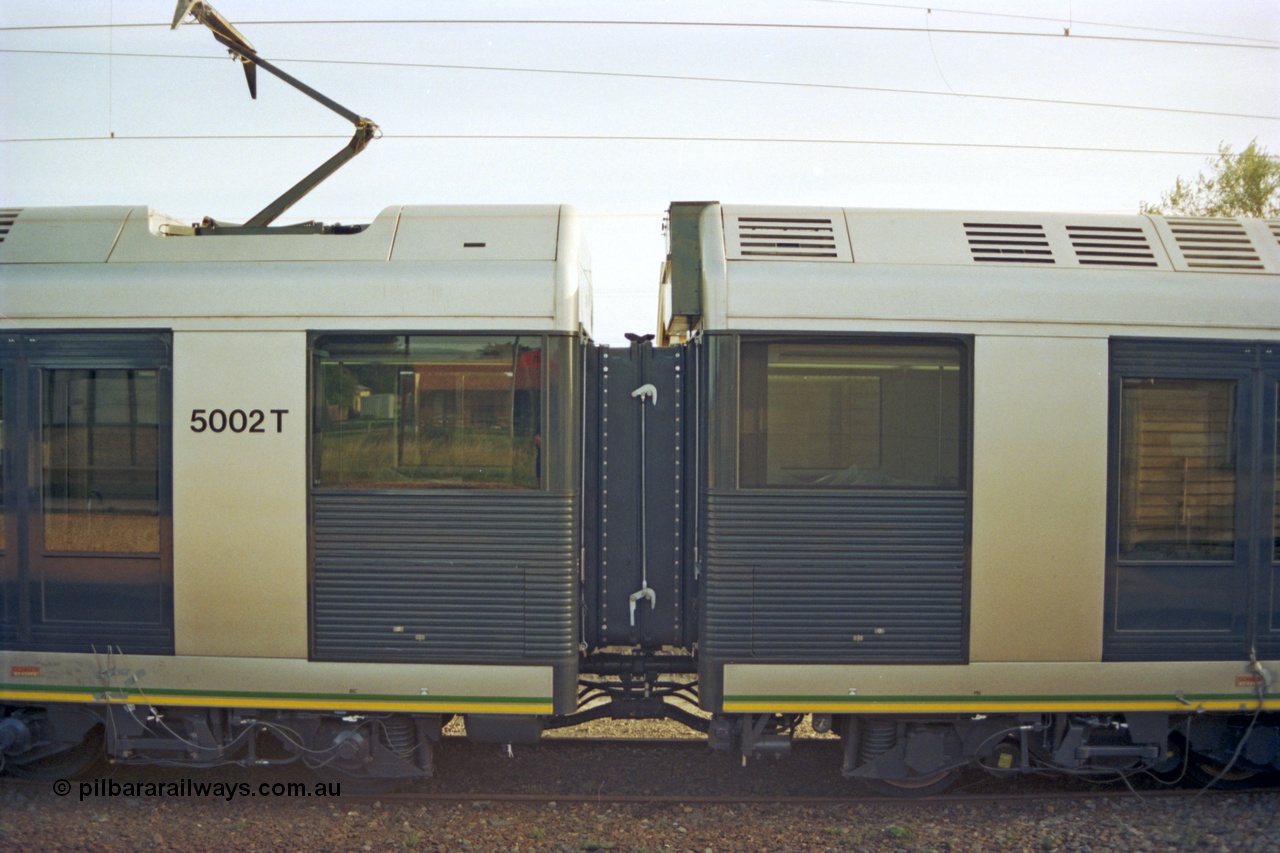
{"points": [[366, 454], [102, 532]]}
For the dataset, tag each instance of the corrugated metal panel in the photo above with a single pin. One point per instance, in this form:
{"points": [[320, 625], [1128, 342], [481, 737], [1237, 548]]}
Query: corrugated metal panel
{"points": [[852, 577], [7, 217], [1184, 358], [84, 637], [1216, 244], [100, 350], [445, 576], [1006, 242], [800, 234]]}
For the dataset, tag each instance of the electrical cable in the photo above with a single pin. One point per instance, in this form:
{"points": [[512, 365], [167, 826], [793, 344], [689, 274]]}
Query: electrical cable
{"points": [[682, 78], [1043, 18], [551, 137], [746, 25]]}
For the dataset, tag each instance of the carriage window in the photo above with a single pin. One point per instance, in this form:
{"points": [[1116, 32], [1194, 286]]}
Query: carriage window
{"points": [[416, 411], [816, 414], [100, 435], [1177, 469]]}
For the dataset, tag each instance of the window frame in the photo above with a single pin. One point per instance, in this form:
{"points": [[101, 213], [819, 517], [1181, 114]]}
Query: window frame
{"points": [[314, 340], [963, 346], [1241, 583]]}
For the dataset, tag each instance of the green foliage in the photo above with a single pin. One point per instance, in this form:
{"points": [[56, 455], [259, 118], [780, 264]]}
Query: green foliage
{"points": [[898, 832], [1244, 184]]}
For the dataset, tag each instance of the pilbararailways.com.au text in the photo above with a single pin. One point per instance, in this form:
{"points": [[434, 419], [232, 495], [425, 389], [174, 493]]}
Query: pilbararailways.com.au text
{"points": [[191, 788]]}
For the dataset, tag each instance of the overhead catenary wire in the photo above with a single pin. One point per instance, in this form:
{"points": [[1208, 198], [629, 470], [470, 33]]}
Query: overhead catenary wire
{"points": [[1041, 18], [560, 137], [761, 25], [683, 78]]}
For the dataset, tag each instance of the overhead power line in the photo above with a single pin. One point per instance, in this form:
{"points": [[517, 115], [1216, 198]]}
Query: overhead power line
{"points": [[676, 78], [1073, 22], [689, 24], [556, 137]]}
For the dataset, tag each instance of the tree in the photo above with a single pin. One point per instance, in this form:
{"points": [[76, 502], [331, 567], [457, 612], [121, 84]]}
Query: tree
{"points": [[1244, 184]]}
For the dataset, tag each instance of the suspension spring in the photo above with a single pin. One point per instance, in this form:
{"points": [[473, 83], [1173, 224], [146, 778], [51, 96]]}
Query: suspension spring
{"points": [[878, 737], [401, 736]]}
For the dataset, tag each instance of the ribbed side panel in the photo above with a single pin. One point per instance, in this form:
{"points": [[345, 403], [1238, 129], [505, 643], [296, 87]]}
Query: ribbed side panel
{"points": [[852, 578], [94, 350], [445, 577], [1187, 358]]}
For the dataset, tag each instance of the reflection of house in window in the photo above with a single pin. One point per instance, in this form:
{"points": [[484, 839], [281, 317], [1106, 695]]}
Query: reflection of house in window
{"points": [[431, 410]]}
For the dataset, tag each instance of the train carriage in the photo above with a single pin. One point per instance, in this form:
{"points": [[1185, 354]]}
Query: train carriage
{"points": [[318, 482], [986, 487], [970, 489]]}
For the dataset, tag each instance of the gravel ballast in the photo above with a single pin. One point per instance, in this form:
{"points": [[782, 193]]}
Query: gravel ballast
{"points": [[170, 815]]}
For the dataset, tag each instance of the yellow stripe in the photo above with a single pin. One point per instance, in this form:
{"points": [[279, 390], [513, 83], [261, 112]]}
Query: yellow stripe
{"points": [[301, 704], [983, 707]]}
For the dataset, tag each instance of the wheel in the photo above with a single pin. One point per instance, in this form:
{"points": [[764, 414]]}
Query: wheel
{"points": [[1173, 769], [1205, 772], [914, 786], [61, 765]]}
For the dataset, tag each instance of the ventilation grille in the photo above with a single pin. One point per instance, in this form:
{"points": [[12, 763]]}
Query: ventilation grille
{"points": [[993, 242], [1274, 225], [770, 237], [7, 218], [1214, 244], [1111, 246]]}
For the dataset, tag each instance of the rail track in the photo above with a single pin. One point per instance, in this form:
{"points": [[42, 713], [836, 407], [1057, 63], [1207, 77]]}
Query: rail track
{"points": [[567, 794], [568, 770]]}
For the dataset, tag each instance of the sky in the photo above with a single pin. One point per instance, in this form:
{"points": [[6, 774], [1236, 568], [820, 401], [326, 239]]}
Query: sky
{"points": [[619, 108]]}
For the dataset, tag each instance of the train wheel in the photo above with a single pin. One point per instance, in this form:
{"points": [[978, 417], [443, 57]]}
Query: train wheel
{"points": [[62, 765], [1204, 772], [914, 786]]}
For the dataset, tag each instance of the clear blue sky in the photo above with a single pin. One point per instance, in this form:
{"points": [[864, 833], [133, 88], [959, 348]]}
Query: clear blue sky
{"points": [[982, 104]]}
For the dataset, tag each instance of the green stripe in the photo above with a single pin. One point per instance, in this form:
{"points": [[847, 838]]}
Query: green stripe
{"points": [[338, 698], [1110, 697]]}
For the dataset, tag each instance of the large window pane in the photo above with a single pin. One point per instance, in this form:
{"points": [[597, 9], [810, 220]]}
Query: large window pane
{"points": [[100, 445], [843, 415], [428, 411], [1177, 469]]}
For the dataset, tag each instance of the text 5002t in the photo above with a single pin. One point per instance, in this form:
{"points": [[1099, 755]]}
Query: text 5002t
{"points": [[237, 420]]}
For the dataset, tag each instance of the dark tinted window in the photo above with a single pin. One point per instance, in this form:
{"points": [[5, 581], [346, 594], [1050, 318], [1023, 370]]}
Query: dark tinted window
{"points": [[822, 414], [420, 411], [100, 438], [1177, 469]]}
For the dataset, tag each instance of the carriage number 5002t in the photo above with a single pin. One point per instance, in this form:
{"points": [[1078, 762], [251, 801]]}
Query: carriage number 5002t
{"points": [[237, 420]]}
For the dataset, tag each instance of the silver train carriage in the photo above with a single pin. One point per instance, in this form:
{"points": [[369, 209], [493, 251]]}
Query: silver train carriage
{"points": [[295, 495], [968, 489], [992, 489]]}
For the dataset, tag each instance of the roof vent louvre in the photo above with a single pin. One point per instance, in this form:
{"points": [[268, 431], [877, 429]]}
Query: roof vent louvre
{"points": [[1008, 243], [1214, 244], [799, 238], [7, 218], [1111, 246], [1274, 225]]}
